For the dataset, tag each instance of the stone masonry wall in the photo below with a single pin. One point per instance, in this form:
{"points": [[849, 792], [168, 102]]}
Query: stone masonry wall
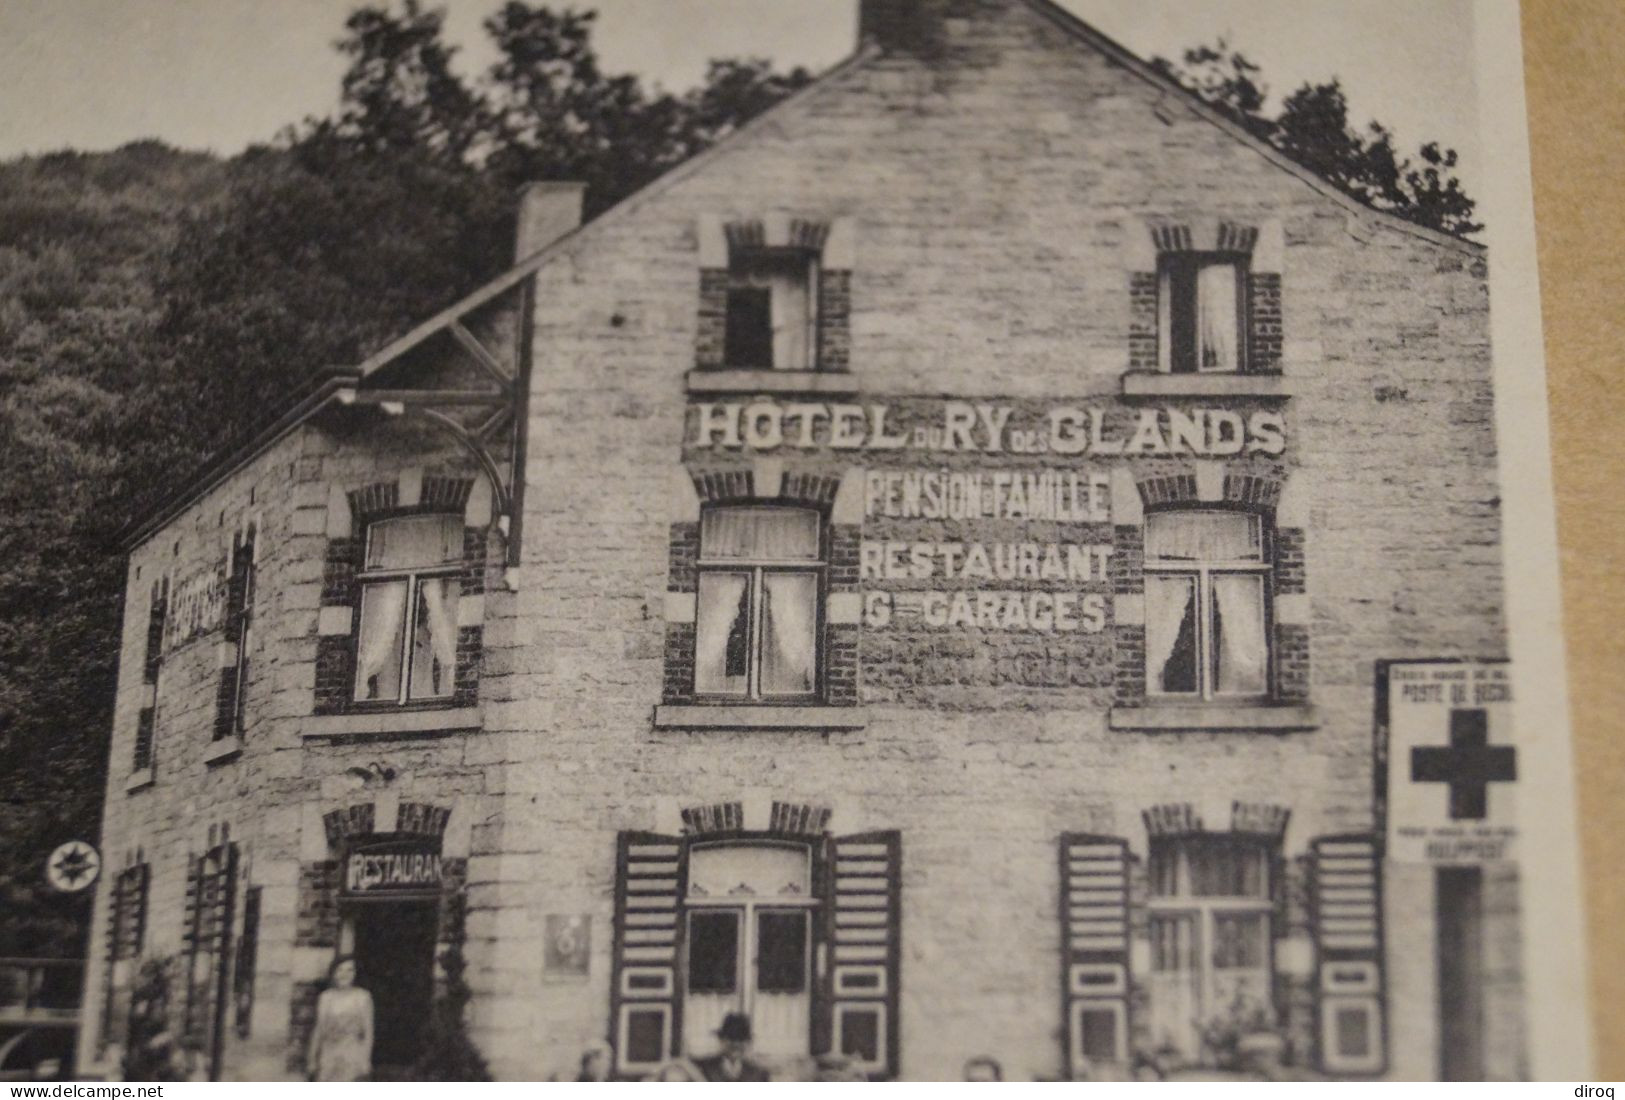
{"points": [[1001, 190], [271, 794]]}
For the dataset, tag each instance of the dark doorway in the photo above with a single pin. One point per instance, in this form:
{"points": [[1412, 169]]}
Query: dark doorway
{"points": [[394, 961], [1459, 918]]}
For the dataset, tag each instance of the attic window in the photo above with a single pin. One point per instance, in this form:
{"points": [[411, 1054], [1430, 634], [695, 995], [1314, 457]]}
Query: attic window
{"points": [[1202, 311], [772, 309]]}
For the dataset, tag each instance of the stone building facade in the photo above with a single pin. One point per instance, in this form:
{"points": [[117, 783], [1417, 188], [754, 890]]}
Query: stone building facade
{"points": [[915, 574]]}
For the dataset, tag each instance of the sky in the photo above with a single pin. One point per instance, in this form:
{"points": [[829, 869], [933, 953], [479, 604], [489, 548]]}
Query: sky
{"points": [[221, 74]]}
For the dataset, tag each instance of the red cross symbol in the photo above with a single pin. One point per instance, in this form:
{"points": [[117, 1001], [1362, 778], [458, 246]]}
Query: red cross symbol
{"points": [[1469, 765]]}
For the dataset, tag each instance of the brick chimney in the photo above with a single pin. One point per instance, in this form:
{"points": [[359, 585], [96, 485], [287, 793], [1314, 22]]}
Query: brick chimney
{"points": [[547, 211], [902, 26]]}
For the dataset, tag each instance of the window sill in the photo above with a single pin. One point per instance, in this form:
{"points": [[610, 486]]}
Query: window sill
{"points": [[227, 748], [1159, 384], [712, 380], [139, 780], [730, 717], [1258, 718], [383, 725]]}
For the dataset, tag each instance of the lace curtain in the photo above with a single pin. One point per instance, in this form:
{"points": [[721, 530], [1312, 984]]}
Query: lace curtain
{"points": [[1170, 634], [414, 542], [378, 664], [1202, 536], [759, 534], [789, 608], [1217, 318], [434, 648]]}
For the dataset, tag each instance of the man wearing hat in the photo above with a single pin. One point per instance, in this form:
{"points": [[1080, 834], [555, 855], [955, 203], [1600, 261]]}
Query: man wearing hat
{"points": [[731, 1063]]}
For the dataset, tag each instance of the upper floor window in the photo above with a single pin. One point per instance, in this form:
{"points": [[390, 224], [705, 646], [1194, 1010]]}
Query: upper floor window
{"points": [[240, 622], [772, 317], [406, 650], [760, 595], [1202, 311], [1207, 615]]}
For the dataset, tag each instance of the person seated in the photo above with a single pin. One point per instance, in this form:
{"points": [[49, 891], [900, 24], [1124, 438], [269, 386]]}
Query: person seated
{"points": [[732, 1062]]}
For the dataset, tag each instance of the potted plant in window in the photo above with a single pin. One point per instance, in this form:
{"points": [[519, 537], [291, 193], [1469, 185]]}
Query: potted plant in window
{"points": [[1245, 1039]]}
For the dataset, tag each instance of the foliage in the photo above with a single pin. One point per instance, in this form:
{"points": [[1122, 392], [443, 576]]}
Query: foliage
{"points": [[1222, 1035], [80, 235], [1313, 128], [150, 1050], [448, 1052]]}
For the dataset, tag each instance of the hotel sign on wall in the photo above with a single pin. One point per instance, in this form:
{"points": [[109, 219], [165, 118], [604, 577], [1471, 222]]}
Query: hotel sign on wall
{"points": [[988, 428], [1450, 761], [197, 606]]}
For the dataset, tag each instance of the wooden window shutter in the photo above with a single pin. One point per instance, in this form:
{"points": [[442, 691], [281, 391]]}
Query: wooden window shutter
{"points": [[1347, 895], [1094, 950], [210, 897], [138, 932], [248, 947], [239, 619], [859, 971], [115, 931], [129, 912], [646, 1005], [189, 921]]}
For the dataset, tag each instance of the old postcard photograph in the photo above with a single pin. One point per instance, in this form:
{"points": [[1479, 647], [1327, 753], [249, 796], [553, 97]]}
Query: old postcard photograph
{"points": [[778, 540]]}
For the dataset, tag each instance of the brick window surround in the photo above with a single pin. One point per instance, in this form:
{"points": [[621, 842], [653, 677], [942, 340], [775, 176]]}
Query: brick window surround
{"points": [[1259, 291], [838, 498], [722, 245], [1285, 594], [341, 591]]}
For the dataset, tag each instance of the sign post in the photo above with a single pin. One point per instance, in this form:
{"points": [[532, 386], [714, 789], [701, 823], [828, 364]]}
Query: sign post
{"points": [[1450, 759], [1446, 764]]}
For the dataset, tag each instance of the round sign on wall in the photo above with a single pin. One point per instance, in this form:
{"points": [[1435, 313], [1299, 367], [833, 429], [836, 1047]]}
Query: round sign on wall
{"points": [[73, 867]]}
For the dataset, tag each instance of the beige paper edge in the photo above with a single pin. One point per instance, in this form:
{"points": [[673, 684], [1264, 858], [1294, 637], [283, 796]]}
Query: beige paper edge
{"points": [[1553, 934]]}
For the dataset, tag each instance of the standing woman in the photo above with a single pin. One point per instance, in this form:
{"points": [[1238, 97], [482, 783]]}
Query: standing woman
{"points": [[341, 1041]]}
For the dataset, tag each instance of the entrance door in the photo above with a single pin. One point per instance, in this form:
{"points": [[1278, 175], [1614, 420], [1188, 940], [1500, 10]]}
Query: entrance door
{"points": [[1459, 918], [394, 961], [749, 936]]}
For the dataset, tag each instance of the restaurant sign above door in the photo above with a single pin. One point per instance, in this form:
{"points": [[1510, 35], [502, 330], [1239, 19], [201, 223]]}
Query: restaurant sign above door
{"points": [[392, 870]]}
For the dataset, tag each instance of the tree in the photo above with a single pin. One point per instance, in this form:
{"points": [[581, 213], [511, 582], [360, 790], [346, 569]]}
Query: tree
{"points": [[400, 92], [1225, 78], [80, 235], [1313, 128], [348, 230]]}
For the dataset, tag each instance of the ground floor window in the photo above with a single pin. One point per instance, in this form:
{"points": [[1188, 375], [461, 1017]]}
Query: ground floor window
{"points": [[799, 935], [1210, 937], [749, 945]]}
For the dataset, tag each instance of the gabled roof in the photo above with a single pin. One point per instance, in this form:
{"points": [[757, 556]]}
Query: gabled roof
{"points": [[1088, 35], [328, 386]]}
